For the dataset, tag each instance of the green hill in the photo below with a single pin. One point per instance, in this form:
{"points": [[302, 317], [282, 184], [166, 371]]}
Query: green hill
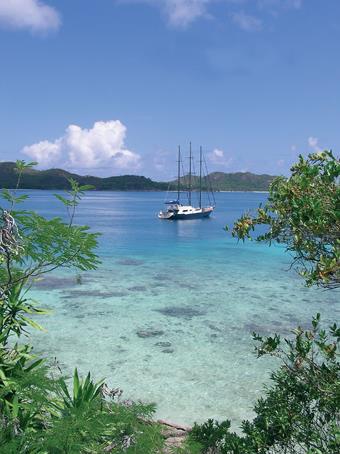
{"points": [[58, 179], [220, 181], [240, 181]]}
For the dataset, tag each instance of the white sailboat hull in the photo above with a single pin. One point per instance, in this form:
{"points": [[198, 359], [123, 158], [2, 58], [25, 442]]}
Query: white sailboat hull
{"points": [[185, 212], [175, 208]]}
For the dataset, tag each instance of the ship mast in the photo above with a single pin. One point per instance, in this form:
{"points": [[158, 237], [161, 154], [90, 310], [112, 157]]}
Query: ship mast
{"points": [[200, 177], [179, 173], [190, 158]]}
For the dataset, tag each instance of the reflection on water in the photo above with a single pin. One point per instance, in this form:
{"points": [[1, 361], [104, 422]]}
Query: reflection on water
{"points": [[168, 315], [189, 228]]}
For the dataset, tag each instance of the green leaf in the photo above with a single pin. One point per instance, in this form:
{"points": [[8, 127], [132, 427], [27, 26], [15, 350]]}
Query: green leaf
{"points": [[76, 384], [15, 409], [34, 324], [34, 365]]}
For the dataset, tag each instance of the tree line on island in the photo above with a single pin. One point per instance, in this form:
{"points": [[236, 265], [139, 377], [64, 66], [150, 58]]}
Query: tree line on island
{"points": [[59, 179], [299, 412]]}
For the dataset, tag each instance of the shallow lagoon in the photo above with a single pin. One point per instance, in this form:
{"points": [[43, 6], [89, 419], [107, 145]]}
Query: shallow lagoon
{"points": [[169, 314]]}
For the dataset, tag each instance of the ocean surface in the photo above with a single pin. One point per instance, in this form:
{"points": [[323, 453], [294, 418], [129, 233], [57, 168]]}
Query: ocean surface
{"points": [[168, 315]]}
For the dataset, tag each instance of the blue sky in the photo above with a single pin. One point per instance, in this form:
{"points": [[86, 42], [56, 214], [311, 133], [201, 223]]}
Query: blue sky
{"points": [[112, 87]]}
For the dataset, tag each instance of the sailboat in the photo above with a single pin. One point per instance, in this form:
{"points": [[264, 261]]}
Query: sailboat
{"points": [[177, 210]]}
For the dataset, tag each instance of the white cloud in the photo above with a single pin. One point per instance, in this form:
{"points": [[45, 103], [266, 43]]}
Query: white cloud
{"points": [[246, 22], [313, 142], [179, 13], [297, 4], [45, 153], [182, 12], [218, 157], [275, 4], [34, 15], [100, 147]]}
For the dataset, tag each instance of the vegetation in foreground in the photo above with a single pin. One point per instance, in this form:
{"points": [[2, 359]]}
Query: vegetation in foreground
{"points": [[39, 413], [299, 412], [303, 213]]}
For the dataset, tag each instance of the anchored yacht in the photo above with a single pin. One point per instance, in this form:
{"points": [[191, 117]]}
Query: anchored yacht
{"points": [[176, 209]]}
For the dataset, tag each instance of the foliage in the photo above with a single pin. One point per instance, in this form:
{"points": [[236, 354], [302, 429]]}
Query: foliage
{"points": [[221, 181], [38, 412], [24, 385], [30, 246], [96, 424], [300, 411], [58, 179], [211, 435], [303, 212], [84, 392]]}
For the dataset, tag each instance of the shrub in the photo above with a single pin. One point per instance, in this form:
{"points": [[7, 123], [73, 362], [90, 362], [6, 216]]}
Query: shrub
{"points": [[38, 412], [300, 411]]}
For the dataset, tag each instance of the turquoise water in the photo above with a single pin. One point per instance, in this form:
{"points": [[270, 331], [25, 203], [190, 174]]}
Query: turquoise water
{"points": [[168, 316]]}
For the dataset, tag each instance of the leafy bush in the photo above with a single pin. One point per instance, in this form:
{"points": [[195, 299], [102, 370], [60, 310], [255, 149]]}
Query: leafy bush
{"points": [[38, 412], [303, 212], [300, 411]]}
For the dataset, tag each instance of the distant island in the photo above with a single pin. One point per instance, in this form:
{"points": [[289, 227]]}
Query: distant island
{"points": [[58, 179]]}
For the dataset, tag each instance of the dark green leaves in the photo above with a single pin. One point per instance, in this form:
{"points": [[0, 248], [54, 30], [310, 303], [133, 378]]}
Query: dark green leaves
{"points": [[38, 414], [23, 165], [303, 212], [11, 198], [84, 391], [52, 243], [299, 412]]}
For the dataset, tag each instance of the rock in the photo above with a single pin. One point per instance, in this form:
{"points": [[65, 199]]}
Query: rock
{"points": [[163, 344], [174, 441], [171, 432], [180, 312], [168, 350], [214, 328], [174, 434], [161, 277], [137, 288], [166, 422], [130, 262], [55, 282], [149, 333], [93, 294]]}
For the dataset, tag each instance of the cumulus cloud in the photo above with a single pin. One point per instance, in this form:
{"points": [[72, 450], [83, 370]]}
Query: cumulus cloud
{"points": [[179, 13], [297, 4], [313, 142], [246, 22], [34, 15], [100, 147], [218, 157], [275, 4], [45, 153], [182, 12]]}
